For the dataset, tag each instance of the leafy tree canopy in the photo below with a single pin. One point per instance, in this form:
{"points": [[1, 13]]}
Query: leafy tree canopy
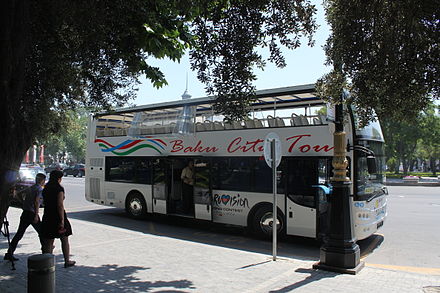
{"points": [[227, 36], [386, 53], [407, 141], [70, 140], [58, 55], [91, 53]]}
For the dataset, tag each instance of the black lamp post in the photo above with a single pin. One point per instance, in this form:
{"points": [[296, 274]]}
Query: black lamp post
{"points": [[340, 253]]}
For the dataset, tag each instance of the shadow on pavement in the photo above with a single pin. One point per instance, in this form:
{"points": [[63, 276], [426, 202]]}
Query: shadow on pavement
{"points": [[105, 278], [115, 278], [215, 234], [202, 232], [314, 275], [370, 244]]}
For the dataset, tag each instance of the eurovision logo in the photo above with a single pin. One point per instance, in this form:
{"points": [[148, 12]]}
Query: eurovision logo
{"points": [[131, 145], [231, 201]]}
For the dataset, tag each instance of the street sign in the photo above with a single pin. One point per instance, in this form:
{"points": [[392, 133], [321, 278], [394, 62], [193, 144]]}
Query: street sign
{"points": [[267, 150]]}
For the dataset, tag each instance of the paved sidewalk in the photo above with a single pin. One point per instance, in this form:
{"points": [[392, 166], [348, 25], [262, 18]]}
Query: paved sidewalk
{"points": [[112, 259]]}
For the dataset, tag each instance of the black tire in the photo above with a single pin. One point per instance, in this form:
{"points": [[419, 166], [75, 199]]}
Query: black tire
{"points": [[65, 174], [135, 206], [262, 220]]}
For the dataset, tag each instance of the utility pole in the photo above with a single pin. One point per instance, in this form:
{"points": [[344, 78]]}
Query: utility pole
{"points": [[340, 253]]}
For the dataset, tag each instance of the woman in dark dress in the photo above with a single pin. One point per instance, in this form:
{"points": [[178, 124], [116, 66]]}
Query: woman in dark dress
{"points": [[55, 223]]}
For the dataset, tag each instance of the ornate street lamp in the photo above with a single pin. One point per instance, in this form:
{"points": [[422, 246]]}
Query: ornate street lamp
{"points": [[340, 253]]}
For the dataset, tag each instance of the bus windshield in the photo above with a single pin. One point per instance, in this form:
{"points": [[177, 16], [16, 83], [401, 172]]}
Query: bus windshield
{"points": [[369, 186]]}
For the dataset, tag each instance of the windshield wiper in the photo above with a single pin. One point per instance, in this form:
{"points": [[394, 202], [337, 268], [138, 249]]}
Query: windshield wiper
{"points": [[378, 193]]}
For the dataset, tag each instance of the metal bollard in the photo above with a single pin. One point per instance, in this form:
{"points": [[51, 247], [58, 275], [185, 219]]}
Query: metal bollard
{"points": [[41, 273]]}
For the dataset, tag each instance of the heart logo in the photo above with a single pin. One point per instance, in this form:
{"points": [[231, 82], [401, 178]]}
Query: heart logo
{"points": [[225, 199]]}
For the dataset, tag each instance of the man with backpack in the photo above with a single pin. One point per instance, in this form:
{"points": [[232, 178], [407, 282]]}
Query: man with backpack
{"points": [[29, 216]]}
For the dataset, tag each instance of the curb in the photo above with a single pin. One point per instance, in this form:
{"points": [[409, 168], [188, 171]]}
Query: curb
{"points": [[424, 184]]}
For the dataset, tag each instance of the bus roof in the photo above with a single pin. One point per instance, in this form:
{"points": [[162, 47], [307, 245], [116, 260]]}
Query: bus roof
{"points": [[283, 96]]}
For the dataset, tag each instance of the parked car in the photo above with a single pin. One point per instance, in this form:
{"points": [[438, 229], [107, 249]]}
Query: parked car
{"points": [[27, 173], [55, 166], [25, 179], [76, 170]]}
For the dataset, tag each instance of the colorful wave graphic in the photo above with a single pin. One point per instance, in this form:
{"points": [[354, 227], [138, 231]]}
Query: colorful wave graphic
{"points": [[129, 146]]}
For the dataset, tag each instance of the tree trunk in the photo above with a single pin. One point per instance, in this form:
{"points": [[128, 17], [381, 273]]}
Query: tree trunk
{"points": [[405, 166], [412, 165], [397, 166], [14, 37], [433, 166], [11, 156]]}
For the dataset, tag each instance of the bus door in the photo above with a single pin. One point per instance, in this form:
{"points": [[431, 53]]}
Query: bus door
{"points": [[301, 175], [177, 200], [160, 185], [202, 190], [323, 192]]}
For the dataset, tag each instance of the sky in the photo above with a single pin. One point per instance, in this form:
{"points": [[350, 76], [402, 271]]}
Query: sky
{"points": [[304, 65]]}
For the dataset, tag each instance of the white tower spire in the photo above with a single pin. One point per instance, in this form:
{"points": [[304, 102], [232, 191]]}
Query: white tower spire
{"points": [[185, 95]]}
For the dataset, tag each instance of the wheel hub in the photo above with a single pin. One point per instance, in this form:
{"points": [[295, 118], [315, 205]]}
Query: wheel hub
{"points": [[135, 206], [266, 223]]}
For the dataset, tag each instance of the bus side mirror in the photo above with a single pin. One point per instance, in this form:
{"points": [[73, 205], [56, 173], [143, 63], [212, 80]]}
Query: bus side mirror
{"points": [[371, 164]]}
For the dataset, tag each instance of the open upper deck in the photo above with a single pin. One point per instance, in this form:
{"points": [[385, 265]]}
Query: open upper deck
{"points": [[279, 107]]}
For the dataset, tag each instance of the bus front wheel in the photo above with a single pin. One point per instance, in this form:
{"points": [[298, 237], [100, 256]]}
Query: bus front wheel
{"points": [[262, 222], [135, 206]]}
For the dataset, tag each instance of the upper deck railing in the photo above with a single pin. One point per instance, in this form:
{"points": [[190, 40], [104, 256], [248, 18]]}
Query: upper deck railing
{"points": [[280, 107]]}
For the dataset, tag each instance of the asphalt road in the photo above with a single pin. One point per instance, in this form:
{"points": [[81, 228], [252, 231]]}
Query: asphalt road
{"points": [[409, 239], [411, 234]]}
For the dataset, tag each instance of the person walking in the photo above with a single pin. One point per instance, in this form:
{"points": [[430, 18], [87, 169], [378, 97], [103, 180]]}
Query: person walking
{"points": [[29, 216], [55, 223]]}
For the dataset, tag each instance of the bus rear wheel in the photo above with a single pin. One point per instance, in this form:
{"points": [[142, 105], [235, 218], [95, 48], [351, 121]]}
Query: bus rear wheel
{"points": [[135, 206], [262, 222]]}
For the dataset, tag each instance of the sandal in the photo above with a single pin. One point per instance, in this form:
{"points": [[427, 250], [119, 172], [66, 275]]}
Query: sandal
{"points": [[70, 263]]}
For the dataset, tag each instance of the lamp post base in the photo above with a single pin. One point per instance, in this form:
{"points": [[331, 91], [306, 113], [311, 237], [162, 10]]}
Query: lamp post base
{"points": [[353, 271], [340, 260]]}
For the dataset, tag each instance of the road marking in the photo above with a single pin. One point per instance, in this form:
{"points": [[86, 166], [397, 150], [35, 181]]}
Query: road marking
{"points": [[420, 270]]}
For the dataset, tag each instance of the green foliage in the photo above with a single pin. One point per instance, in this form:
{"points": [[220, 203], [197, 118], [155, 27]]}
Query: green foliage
{"points": [[400, 176], [401, 141], [429, 144], [407, 141], [71, 139], [387, 53], [91, 53], [228, 34], [57, 56]]}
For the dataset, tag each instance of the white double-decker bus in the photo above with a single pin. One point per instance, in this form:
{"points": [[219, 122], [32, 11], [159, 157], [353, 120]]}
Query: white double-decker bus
{"points": [[136, 157]]}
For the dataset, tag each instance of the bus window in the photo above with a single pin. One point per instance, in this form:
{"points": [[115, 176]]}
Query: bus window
{"points": [[143, 171], [232, 174], [128, 170], [159, 179], [262, 176], [324, 171], [201, 184], [301, 176], [119, 169]]}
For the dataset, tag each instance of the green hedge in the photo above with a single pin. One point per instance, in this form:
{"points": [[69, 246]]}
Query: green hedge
{"points": [[400, 175]]}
